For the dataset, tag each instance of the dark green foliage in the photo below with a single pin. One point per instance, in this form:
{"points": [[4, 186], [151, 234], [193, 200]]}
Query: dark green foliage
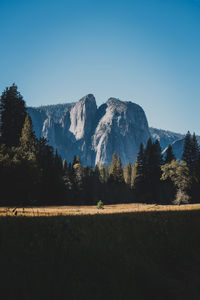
{"points": [[147, 172], [191, 157], [179, 174], [194, 152], [113, 165], [188, 151], [13, 113], [64, 165], [116, 169], [119, 171], [138, 172], [116, 183], [169, 155]]}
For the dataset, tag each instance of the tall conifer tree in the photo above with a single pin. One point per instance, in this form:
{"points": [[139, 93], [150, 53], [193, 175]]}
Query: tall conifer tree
{"points": [[119, 171], [138, 171], [13, 113], [28, 139], [127, 174], [169, 155], [187, 150]]}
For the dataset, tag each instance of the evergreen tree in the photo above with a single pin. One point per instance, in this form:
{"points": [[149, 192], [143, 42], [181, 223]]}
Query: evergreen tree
{"points": [[127, 174], [190, 152], [148, 172], [147, 157], [64, 165], [77, 175], [187, 150], [138, 172], [116, 169], [156, 161], [28, 138], [169, 155], [133, 174], [13, 113], [194, 152], [113, 165], [104, 173], [58, 162], [119, 177]]}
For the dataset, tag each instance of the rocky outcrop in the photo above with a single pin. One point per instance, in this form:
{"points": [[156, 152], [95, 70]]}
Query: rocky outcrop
{"points": [[93, 133], [82, 117], [121, 129]]}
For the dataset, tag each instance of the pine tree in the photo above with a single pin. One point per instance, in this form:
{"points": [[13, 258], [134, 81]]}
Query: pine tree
{"points": [[138, 171], [28, 138], [187, 150], [134, 172], [119, 171], [113, 165], [194, 152], [116, 169], [77, 172], [169, 155], [104, 173], [58, 162], [13, 113], [147, 164], [156, 160], [148, 171], [127, 174], [64, 165]]}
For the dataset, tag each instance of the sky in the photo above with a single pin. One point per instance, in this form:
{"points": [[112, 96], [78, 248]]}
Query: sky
{"points": [[144, 51]]}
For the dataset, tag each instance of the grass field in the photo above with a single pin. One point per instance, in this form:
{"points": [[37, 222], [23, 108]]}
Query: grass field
{"points": [[91, 210], [121, 252]]}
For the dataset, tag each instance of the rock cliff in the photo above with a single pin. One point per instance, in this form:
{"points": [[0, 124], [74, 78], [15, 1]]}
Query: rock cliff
{"points": [[93, 133]]}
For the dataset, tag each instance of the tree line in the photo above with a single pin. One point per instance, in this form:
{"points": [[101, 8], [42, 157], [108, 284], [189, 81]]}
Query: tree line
{"points": [[33, 173]]}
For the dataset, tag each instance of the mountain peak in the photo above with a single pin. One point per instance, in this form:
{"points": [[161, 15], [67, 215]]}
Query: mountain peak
{"points": [[88, 98]]}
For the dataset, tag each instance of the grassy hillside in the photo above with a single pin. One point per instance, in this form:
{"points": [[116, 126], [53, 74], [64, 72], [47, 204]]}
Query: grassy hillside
{"points": [[143, 255]]}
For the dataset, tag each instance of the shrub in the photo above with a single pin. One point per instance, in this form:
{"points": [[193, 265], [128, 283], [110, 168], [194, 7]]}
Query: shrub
{"points": [[100, 205]]}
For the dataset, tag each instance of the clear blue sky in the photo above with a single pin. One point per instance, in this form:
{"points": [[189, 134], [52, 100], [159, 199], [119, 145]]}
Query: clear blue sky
{"points": [[143, 51]]}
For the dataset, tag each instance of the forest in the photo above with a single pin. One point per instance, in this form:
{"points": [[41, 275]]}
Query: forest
{"points": [[33, 173]]}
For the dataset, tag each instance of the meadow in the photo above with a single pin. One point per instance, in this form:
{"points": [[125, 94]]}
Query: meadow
{"points": [[131, 251]]}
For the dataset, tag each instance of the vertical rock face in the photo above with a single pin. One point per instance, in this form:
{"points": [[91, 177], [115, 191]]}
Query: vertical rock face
{"points": [[121, 129], [82, 117], [93, 133]]}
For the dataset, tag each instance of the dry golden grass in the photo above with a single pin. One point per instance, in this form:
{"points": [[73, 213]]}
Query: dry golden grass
{"points": [[92, 210]]}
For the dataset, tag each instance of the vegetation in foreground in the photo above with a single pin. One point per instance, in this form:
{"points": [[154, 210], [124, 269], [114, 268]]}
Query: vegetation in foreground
{"points": [[119, 256], [33, 173]]}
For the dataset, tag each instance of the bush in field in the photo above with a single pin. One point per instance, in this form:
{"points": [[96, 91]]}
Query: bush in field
{"points": [[100, 205]]}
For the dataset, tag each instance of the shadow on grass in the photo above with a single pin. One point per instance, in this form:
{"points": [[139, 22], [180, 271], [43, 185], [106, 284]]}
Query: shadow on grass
{"points": [[140, 255]]}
